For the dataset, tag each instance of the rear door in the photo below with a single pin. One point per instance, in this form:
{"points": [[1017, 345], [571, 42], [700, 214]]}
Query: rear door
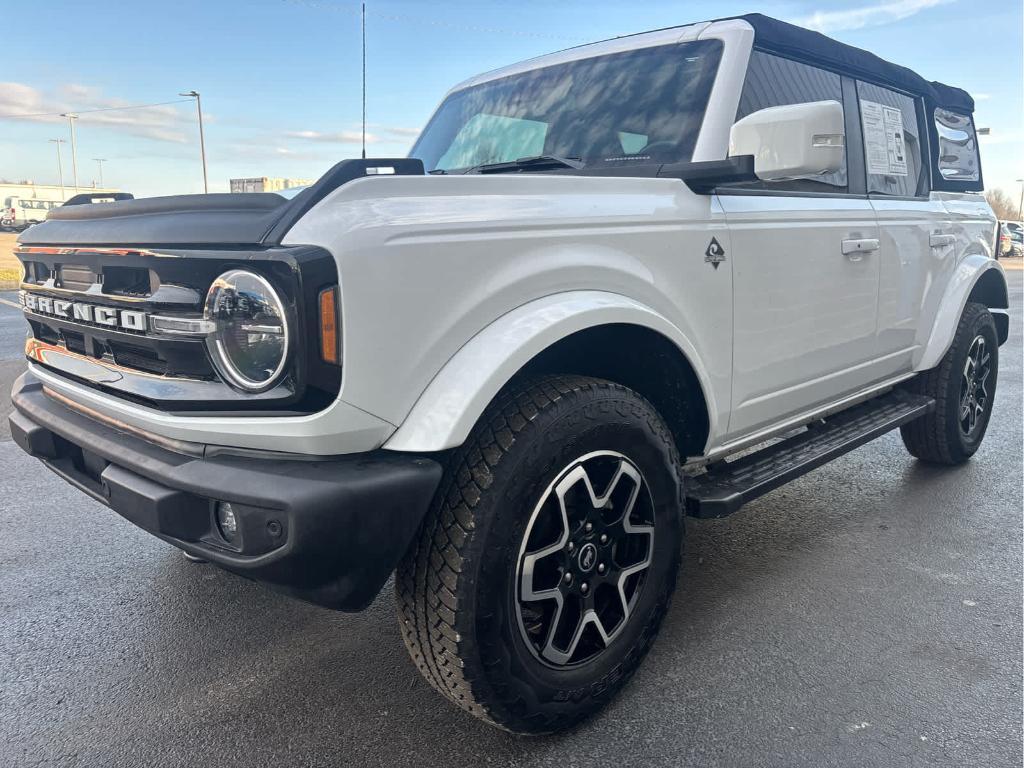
{"points": [[805, 269], [918, 253]]}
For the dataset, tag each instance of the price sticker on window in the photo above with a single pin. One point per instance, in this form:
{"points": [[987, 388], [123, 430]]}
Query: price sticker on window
{"points": [[884, 144]]}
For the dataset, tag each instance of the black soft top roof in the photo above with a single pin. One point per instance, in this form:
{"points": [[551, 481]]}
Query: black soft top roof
{"points": [[796, 42]]}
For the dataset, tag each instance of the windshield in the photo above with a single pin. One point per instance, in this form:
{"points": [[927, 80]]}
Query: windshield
{"points": [[643, 105]]}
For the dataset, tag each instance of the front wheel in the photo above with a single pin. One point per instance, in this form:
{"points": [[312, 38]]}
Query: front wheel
{"points": [[546, 564], [964, 387]]}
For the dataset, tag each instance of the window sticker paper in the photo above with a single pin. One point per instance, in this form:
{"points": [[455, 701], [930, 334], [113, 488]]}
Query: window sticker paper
{"points": [[884, 145]]}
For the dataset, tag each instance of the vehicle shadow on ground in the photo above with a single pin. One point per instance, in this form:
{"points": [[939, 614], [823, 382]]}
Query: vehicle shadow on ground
{"points": [[343, 682], [785, 612]]}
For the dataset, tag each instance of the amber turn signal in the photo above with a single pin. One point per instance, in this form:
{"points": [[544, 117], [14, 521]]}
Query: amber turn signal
{"points": [[329, 326]]}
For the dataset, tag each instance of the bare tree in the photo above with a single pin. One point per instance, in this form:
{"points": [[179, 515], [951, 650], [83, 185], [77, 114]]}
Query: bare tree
{"points": [[1004, 207]]}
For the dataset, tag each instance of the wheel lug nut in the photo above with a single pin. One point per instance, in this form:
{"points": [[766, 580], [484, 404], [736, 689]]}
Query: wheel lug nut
{"points": [[571, 547], [568, 578], [604, 538], [584, 588], [588, 527], [601, 568]]}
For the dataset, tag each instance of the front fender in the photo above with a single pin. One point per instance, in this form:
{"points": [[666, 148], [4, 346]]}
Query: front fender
{"points": [[967, 275], [445, 413]]}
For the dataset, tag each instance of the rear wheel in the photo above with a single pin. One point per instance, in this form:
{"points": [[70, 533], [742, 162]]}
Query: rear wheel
{"points": [[546, 564], [964, 387]]}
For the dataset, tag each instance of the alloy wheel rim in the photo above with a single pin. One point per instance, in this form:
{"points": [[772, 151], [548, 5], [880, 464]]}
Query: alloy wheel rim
{"points": [[584, 559], [974, 395]]}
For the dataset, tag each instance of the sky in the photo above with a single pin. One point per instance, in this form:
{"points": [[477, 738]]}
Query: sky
{"points": [[280, 79]]}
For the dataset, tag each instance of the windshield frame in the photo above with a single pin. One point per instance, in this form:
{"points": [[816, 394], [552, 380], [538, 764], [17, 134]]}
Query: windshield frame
{"points": [[712, 50]]}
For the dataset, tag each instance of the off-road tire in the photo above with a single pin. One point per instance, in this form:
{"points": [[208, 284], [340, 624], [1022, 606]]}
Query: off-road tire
{"points": [[937, 437], [456, 593]]}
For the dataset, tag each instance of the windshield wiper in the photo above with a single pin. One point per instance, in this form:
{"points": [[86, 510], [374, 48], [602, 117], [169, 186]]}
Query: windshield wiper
{"points": [[528, 163]]}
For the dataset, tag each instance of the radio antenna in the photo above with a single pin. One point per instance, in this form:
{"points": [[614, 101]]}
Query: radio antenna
{"points": [[364, 79]]}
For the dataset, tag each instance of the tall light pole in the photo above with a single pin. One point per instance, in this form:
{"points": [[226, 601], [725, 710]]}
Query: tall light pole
{"points": [[1020, 208], [202, 140], [71, 116], [100, 161], [60, 164]]}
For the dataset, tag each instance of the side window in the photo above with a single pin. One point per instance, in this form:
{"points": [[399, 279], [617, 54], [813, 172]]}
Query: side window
{"points": [[958, 149], [892, 142], [773, 82]]}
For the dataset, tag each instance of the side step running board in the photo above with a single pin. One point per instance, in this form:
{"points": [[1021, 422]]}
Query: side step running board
{"points": [[728, 485]]}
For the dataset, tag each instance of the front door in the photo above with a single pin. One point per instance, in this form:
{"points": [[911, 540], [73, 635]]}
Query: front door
{"points": [[805, 282], [805, 266]]}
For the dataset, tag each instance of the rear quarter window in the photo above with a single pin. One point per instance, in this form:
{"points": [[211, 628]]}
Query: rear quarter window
{"points": [[958, 147]]}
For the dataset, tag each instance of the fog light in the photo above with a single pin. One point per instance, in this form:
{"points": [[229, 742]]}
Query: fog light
{"points": [[227, 521]]}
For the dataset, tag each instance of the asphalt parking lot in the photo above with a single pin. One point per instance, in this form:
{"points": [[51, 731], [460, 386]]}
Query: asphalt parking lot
{"points": [[868, 614]]}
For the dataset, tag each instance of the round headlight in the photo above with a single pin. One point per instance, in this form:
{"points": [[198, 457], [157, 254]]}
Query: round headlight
{"points": [[249, 345]]}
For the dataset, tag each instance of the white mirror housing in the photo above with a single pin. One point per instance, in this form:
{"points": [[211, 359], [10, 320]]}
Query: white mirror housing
{"points": [[792, 141]]}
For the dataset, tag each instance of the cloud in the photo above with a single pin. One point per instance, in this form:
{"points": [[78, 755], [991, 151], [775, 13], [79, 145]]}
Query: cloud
{"points": [[1002, 137], [78, 91], [867, 15], [334, 137], [165, 123], [408, 133], [981, 96], [261, 148], [378, 133]]}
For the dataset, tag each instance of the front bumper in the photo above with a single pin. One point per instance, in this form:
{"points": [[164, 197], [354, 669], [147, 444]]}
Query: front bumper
{"points": [[328, 531]]}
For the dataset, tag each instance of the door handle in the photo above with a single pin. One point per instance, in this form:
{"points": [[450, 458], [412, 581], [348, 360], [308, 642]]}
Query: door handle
{"points": [[855, 249], [940, 240]]}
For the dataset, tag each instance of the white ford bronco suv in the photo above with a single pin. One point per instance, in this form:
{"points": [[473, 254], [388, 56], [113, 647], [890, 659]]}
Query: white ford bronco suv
{"points": [[646, 278]]}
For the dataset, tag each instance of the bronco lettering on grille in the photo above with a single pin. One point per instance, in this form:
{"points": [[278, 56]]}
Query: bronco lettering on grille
{"points": [[77, 311]]}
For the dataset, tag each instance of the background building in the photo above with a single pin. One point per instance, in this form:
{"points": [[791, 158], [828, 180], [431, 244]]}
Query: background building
{"points": [[264, 184], [27, 190]]}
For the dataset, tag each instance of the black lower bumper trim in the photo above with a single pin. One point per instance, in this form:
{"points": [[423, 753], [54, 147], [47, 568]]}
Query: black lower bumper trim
{"points": [[329, 531]]}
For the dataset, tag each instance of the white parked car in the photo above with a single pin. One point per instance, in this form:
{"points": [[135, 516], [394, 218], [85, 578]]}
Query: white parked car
{"points": [[509, 365]]}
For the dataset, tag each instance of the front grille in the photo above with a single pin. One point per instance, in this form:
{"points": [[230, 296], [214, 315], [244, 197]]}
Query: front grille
{"points": [[44, 332], [74, 341], [74, 277], [138, 358], [127, 281], [36, 273]]}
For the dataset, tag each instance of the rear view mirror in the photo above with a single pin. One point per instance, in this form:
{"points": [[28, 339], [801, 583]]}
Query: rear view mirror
{"points": [[792, 141]]}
